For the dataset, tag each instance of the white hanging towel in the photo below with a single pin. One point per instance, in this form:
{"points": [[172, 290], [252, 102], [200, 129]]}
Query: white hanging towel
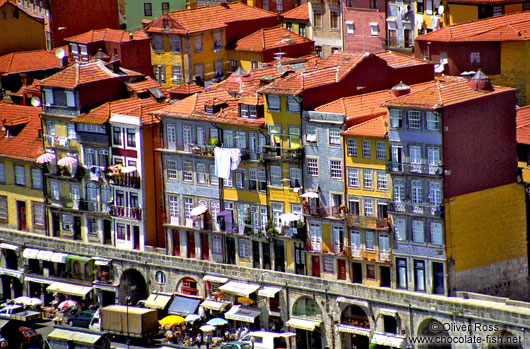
{"points": [[235, 157], [222, 162]]}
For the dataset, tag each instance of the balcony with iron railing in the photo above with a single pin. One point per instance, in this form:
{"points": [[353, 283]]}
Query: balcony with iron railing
{"points": [[414, 169], [94, 206], [271, 152], [424, 209], [359, 252], [126, 212], [366, 222], [126, 180], [334, 212]]}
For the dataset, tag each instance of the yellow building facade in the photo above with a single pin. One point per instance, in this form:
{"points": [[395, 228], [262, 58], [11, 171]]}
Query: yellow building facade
{"points": [[20, 31], [460, 13]]}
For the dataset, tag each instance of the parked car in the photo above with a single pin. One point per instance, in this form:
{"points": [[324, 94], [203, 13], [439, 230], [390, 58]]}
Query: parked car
{"points": [[234, 345], [268, 340], [29, 338], [81, 319]]}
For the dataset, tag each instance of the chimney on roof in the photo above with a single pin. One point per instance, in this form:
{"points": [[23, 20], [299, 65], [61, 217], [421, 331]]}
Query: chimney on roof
{"points": [[400, 89], [116, 66], [480, 82], [224, 4], [131, 36]]}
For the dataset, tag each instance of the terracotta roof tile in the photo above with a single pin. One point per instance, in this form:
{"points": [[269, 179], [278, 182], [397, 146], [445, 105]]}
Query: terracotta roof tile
{"points": [[254, 99], [109, 35], [28, 61], [143, 85], [300, 13], [441, 94], [83, 73], [399, 60], [131, 106], [14, 3], [26, 145], [376, 127], [186, 89], [523, 125], [269, 38], [207, 18], [483, 2], [512, 27]]}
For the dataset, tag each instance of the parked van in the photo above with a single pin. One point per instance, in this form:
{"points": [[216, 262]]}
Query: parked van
{"points": [[95, 323], [268, 340]]}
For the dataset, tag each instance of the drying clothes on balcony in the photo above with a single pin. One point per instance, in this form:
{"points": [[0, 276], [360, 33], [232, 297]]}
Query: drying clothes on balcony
{"points": [[235, 158], [222, 162]]}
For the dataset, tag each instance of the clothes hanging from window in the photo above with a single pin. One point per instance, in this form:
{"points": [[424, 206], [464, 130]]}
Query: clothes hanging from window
{"points": [[235, 158], [222, 162]]}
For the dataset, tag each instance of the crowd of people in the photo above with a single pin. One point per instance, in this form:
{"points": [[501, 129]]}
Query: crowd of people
{"points": [[191, 335]]}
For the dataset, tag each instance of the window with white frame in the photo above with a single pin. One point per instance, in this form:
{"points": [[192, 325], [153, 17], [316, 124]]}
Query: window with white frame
{"points": [[240, 180], [228, 182], [214, 180], [172, 173], [262, 180], [353, 177], [294, 137], [416, 189], [351, 147], [433, 121], [367, 179], [418, 233], [277, 211], [382, 181], [414, 119], [400, 229], [350, 28], [334, 136], [89, 157], [243, 110], [276, 176], [2, 172], [176, 74], [173, 208], [295, 177], [415, 158], [380, 150], [384, 243], [435, 193], [396, 118], [310, 134], [252, 179], [312, 167], [263, 217], [399, 190], [70, 99], [54, 188], [292, 104], [474, 57], [187, 172], [368, 207], [188, 207], [160, 277], [273, 102], [197, 43], [433, 157], [217, 40], [92, 225], [315, 236], [36, 178], [71, 130], [66, 222], [217, 244], [355, 240], [4, 212], [436, 233], [335, 167], [174, 43], [38, 214], [20, 175], [369, 240], [243, 248], [228, 139], [374, 29], [201, 173], [366, 149], [241, 139]]}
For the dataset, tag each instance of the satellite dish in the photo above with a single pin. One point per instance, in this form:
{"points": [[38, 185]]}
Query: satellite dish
{"points": [[59, 53], [441, 10], [35, 101]]}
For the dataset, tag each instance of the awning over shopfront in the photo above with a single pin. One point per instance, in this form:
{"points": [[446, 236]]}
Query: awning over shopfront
{"points": [[74, 290], [11, 272], [239, 288], [352, 301], [241, 313], [390, 341], [157, 300], [269, 291], [183, 306], [59, 257], [78, 337], [44, 255], [354, 330], [213, 305], [30, 253], [101, 261], [79, 258], [7, 246], [3, 323], [302, 324], [216, 279], [107, 288]]}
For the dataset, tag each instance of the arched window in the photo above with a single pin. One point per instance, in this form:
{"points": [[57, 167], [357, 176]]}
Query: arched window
{"points": [[160, 277], [306, 308]]}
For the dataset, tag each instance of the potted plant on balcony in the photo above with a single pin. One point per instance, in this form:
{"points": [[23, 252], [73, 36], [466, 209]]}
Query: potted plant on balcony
{"points": [[271, 229]]}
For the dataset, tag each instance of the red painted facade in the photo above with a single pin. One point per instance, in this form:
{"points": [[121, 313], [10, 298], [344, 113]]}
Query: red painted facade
{"points": [[459, 55], [239, 29], [362, 15], [99, 92], [272, 5], [294, 50], [479, 144]]}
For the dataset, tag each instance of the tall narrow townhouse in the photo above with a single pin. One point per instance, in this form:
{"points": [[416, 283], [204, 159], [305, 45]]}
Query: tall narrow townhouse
{"points": [[326, 18], [401, 24], [21, 185], [66, 95], [297, 20], [446, 200], [364, 25], [189, 45], [430, 15]]}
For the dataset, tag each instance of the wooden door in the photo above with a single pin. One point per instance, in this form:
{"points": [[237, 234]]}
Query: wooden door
{"points": [[205, 249], [315, 262], [191, 244], [341, 270], [21, 207]]}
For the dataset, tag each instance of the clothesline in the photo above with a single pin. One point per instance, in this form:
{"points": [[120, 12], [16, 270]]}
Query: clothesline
{"points": [[226, 160]]}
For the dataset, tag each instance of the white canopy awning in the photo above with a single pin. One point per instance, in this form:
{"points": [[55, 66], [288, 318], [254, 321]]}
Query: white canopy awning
{"points": [[310, 194], [353, 329], [157, 300], [241, 313], [44, 255], [308, 325], [30, 253], [11, 272], [74, 290], [101, 261], [390, 341], [59, 257], [213, 305], [269, 291], [198, 210], [216, 279], [7, 246], [239, 288]]}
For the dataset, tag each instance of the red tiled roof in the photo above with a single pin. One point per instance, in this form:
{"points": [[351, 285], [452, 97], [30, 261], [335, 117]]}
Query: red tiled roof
{"points": [[523, 125], [26, 145], [376, 127], [28, 61], [186, 89], [483, 2], [399, 60], [268, 38], [442, 94], [512, 27], [83, 73], [13, 3], [300, 13], [109, 35], [131, 106], [34, 88], [253, 99], [207, 18], [141, 86]]}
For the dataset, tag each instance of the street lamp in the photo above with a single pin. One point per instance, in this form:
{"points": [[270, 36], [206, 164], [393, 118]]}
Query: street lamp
{"points": [[252, 340], [127, 300]]}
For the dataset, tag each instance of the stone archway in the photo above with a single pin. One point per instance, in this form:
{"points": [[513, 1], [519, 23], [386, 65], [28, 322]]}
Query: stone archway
{"points": [[188, 285], [354, 327], [133, 285], [504, 339], [307, 308], [433, 328]]}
